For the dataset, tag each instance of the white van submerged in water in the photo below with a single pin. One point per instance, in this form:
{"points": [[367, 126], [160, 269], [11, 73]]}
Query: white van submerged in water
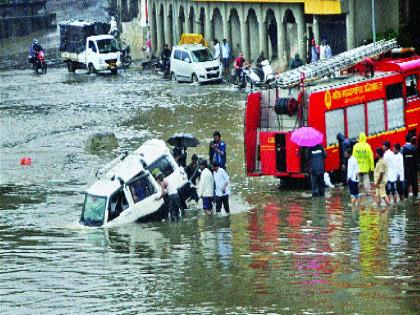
{"points": [[195, 63], [127, 192]]}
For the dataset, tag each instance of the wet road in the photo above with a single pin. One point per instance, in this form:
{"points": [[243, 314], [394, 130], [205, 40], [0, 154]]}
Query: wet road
{"points": [[279, 252]]}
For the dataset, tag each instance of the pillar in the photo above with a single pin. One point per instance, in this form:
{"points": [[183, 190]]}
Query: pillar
{"points": [[350, 26], [207, 25], [226, 24], [281, 33], [315, 28], [300, 20], [159, 44], [262, 30], [152, 20], [244, 31], [168, 26]]}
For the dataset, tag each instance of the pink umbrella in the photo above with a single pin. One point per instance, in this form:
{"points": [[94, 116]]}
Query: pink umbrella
{"points": [[307, 137]]}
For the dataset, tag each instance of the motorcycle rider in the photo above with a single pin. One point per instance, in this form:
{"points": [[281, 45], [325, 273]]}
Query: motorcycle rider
{"points": [[238, 65], [34, 49], [259, 67], [295, 62], [114, 28], [165, 56]]}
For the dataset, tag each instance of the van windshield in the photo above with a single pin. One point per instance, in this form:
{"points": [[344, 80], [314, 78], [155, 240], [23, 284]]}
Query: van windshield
{"points": [[93, 210], [109, 45], [202, 55]]}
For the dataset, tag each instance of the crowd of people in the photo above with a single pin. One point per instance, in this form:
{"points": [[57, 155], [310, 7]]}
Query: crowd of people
{"points": [[394, 173], [208, 179]]}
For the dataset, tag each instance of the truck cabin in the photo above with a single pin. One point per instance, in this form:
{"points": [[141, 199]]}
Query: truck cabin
{"points": [[103, 44]]}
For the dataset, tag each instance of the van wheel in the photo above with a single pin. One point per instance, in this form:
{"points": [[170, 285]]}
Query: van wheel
{"points": [[91, 69], [194, 78]]}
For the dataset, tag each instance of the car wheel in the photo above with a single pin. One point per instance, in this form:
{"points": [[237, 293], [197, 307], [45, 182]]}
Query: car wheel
{"points": [[194, 78]]}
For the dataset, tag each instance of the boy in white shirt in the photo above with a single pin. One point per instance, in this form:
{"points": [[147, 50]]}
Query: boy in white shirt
{"points": [[222, 189], [391, 175], [206, 187], [399, 166], [352, 176]]}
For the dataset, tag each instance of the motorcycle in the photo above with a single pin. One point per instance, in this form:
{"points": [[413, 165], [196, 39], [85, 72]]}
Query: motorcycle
{"points": [[126, 59], [165, 68], [255, 76], [38, 62]]}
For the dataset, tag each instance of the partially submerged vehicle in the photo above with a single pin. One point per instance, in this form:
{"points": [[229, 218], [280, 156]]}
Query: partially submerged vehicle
{"points": [[127, 192]]}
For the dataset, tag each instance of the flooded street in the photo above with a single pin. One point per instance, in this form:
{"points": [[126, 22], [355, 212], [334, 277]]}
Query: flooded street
{"points": [[278, 252]]}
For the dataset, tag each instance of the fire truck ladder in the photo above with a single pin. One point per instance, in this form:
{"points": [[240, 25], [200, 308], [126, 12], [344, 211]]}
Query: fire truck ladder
{"points": [[329, 67]]}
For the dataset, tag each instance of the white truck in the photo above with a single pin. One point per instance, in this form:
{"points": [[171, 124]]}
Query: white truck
{"points": [[87, 45]]}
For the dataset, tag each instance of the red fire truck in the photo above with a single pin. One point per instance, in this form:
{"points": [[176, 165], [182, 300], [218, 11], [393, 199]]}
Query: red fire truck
{"points": [[333, 96]]}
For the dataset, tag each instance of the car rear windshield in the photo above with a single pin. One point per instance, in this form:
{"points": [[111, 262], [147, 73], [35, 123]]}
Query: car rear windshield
{"points": [[202, 55], [109, 45]]}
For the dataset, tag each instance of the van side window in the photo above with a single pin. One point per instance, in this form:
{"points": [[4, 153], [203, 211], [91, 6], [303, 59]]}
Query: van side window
{"points": [[92, 46], [395, 106], [376, 116], [177, 54], [356, 120], [411, 84], [163, 164], [185, 55], [141, 187], [117, 204], [334, 124]]}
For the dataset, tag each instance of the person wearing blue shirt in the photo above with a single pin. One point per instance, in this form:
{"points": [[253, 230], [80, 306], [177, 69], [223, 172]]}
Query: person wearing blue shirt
{"points": [[217, 150]]}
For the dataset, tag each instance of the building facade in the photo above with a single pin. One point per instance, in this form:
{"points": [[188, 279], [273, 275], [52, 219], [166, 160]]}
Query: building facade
{"points": [[280, 28]]}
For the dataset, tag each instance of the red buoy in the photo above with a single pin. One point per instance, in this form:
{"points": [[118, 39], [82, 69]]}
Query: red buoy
{"points": [[26, 161]]}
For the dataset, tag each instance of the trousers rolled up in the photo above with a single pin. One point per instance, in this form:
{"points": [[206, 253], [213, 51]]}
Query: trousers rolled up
{"points": [[222, 200], [173, 206]]}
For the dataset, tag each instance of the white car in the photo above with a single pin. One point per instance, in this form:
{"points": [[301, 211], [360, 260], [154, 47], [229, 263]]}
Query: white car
{"points": [[195, 63], [127, 192]]}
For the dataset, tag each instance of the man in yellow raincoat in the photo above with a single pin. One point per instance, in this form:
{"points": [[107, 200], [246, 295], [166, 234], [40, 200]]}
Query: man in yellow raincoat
{"points": [[364, 156]]}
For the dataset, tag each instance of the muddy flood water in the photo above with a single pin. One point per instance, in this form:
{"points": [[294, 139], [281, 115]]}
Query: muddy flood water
{"points": [[279, 252]]}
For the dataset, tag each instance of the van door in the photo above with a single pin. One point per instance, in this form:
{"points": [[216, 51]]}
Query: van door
{"points": [[144, 193], [175, 62], [186, 66]]}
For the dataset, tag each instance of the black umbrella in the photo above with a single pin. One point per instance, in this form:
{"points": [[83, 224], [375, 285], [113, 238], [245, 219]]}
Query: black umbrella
{"points": [[183, 140]]}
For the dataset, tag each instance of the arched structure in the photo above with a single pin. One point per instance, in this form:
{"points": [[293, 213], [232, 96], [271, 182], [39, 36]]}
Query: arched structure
{"points": [[278, 29], [235, 32], [217, 25], [253, 35]]}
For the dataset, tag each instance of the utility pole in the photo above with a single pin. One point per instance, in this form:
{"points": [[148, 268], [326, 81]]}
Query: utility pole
{"points": [[373, 22]]}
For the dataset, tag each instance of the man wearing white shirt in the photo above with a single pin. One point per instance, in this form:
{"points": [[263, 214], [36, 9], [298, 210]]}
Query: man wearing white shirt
{"points": [[217, 49], [225, 56], [352, 175], [399, 163], [206, 187], [391, 174], [221, 187]]}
